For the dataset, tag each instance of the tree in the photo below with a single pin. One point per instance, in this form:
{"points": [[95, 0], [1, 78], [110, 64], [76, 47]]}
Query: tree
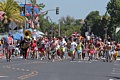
{"points": [[67, 20], [96, 23], [69, 25], [113, 9], [44, 23], [12, 12]]}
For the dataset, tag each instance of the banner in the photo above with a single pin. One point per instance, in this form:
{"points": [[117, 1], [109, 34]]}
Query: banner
{"points": [[36, 11], [26, 10], [22, 9]]}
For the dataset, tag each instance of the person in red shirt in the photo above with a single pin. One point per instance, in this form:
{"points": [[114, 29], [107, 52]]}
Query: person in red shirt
{"points": [[32, 47]]}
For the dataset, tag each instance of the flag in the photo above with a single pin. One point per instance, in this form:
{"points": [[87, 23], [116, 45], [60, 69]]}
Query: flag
{"points": [[36, 19], [1, 15], [38, 25], [31, 24]]}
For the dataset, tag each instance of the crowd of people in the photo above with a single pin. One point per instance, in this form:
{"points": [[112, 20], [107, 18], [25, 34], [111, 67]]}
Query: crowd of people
{"points": [[51, 48]]}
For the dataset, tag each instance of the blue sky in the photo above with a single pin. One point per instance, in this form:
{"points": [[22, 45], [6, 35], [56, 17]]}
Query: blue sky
{"points": [[78, 9]]}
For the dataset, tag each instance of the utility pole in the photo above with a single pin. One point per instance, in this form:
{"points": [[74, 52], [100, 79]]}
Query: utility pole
{"points": [[25, 15], [59, 27]]}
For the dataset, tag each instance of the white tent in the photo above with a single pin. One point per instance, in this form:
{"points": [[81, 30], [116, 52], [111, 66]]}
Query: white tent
{"points": [[39, 33]]}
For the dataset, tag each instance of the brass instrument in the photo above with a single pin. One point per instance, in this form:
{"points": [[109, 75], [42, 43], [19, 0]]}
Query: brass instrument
{"points": [[27, 35]]}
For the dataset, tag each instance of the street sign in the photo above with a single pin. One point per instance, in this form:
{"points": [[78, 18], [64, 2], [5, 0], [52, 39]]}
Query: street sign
{"points": [[12, 31], [12, 25], [28, 10]]}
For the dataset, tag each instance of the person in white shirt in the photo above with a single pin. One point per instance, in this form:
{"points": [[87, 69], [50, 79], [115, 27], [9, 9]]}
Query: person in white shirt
{"points": [[73, 49], [63, 44]]}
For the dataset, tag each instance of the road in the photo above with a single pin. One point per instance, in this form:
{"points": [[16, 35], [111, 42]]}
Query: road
{"points": [[19, 69]]}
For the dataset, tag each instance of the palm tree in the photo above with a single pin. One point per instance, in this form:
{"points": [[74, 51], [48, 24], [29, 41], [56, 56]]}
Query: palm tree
{"points": [[12, 11]]}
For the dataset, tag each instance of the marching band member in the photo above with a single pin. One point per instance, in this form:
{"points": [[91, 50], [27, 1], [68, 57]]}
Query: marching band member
{"points": [[24, 46]]}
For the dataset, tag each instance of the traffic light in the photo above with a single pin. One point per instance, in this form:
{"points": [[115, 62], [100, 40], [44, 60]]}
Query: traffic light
{"points": [[57, 10]]}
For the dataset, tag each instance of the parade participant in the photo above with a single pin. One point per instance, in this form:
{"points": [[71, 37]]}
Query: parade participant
{"points": [[83, 49], [68, 48], [57, 48], [53, 50], [108, 55], [62, 47], [104, 51], [113, 50], [8, 46], [47, 48], [91, 51], [97, 48], [32, 47], [17, 48], [101, 49], [73, 48], [41, 46], [25, 44], [116, 49], [79, 50]]}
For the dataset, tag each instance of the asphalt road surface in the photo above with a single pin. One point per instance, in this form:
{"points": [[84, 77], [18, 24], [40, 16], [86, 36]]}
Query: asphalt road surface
{"points": [[19, 69]]}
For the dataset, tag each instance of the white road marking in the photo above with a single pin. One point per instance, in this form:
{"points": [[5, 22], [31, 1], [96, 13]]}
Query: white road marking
{"points": [[110, 79], [118, 59], [116, 64], [115, 69], [87, 62], [3, 76], [116, 73], [73, 61], [80, 61], [27, 70]]}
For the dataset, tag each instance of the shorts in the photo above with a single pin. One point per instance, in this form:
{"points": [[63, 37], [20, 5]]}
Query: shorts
{"points": [[79, 51], [62, 49], [53, 52], [92, 51], [58, 52], [113, 52], [108, 52], [71, 51], [40, 49]]}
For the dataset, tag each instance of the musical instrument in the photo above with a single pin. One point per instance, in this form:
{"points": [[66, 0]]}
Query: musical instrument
{"points": [[27, 35]]}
